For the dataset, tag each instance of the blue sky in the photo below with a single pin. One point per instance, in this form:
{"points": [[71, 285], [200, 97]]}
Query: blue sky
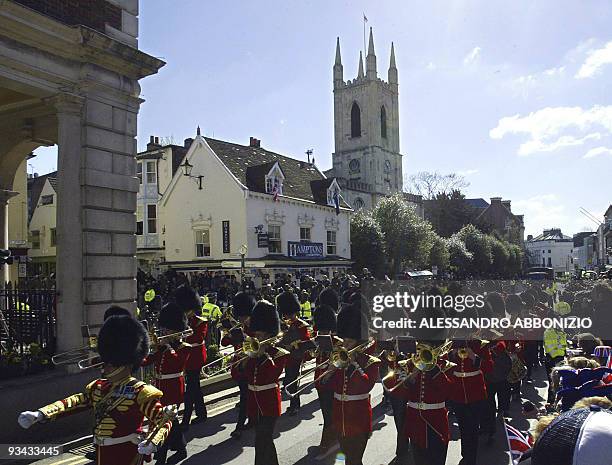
{"points": [[516, 96]]}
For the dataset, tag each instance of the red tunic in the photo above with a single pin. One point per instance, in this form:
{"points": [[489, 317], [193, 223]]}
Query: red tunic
{"points": [[237, 372], [129, 401], [303, 334], [197, 354], [468, 376], [352, 411], [262, 373], [169, 367], [430, 388]]}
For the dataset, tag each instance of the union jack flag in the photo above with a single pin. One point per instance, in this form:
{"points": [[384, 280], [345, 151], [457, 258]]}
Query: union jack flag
{"points": [[518, 443]]}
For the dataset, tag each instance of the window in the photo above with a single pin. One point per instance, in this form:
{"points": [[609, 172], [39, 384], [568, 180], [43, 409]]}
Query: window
{"points": [[271, 183], [354, 165], [202, 243], [549, 262], [358, 203], [139, 171], [35, 239], [139, 220], [274, 239], [53, 237], [383, 122], [151, 177], [151, 219], [549, 251], [46, 199], [331, 242], [355, 121], [304, 234]]}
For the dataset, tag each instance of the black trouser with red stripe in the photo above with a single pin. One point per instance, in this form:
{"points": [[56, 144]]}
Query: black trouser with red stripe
{"points": [[433, 454], [353, 448], [265, 451], [468, 417], [326, 401]]}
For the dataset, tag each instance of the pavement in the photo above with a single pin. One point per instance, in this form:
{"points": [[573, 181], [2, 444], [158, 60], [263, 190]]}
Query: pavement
{"points": [[297, 437]]}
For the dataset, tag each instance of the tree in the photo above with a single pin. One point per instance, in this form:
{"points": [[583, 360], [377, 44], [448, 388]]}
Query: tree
{"points": [[367, 243], [500, 254], [478, 244], [460, 258], [439, 254], [429, 185], [448, 212], [407, 237]]}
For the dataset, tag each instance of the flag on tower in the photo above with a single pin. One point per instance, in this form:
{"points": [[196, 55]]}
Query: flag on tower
{"points": [[337, 202], [365, 18]]}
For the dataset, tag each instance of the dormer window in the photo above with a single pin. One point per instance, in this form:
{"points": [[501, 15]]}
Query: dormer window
{"points": [[274, 180]]}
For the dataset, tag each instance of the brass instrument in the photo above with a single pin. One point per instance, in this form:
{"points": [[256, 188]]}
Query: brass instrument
{"points": [[427, 356], [463, 353], [76, 355], [253, 347], [227, 320], [404, 368], [157, 340], [339, 358]]}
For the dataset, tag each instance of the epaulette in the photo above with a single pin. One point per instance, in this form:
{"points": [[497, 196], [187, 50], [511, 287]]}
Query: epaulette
{"points": [[280, 352], [147, 393], [447, 366]]}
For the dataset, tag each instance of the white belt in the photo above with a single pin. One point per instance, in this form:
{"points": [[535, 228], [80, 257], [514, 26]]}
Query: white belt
{"points": [[169, 376], [134, 438], [196, 344], [467, 374], [347, 397], [263, 387], [424, 406]]}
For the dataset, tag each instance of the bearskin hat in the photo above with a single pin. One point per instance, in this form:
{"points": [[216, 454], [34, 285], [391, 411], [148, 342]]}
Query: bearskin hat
{"points": [[352, 323], [265, 318], [287, 304], [115, 310], [187, 298], [243, 304], [329, 297], [122, 341], [172, 317], [324, 318]]}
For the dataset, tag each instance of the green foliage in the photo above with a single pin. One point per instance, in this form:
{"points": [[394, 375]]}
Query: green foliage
{"points": [[477, 243], [367, 243], [500, 254], [439, 254], [460, 258], [448, 213]]}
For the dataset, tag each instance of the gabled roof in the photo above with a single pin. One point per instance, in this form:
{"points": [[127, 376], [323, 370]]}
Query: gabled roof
{"points": [[552, 235], [319, 189], [250, 165], [53, 182], [35, 187], [477, 203]]}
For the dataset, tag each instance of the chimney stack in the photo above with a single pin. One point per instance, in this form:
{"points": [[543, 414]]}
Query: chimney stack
{"points": [[254, 142], [495, 200], [188, 142], [506, 203], [153, 143]]}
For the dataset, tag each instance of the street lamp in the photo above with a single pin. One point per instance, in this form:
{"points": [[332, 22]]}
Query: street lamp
{"points": [[242, 251], [187, 168]]}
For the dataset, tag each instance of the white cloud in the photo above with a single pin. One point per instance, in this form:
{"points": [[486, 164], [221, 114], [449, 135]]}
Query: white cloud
{"points": [[467, 172], [598, 151], [595, 60], [548, 127], [541, 212], [472, 57], [431, 66]]}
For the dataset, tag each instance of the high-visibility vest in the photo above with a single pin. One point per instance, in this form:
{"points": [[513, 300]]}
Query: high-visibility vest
{"points": [[211, 311], [306, 309], [555, 343], [149, 295]]}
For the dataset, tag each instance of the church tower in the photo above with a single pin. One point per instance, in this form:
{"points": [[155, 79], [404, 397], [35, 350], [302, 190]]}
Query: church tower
{"points": [[367, 157]]}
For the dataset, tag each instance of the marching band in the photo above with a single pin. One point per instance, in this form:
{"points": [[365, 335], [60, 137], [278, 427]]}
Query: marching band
{"points": [[423, 378]]}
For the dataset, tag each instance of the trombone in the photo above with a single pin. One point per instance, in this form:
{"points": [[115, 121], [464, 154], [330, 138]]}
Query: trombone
{"points": [[339, 358], [159, 340], [76, 355], [253, 348]]}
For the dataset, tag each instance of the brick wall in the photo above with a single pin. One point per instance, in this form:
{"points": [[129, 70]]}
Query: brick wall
{"points": [[92, 13]]}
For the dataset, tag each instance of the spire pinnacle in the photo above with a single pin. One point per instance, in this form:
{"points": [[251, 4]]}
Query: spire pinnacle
{"points": [[371, 44], [198, 132], [360, 72], [338, 58], [392, 63]]}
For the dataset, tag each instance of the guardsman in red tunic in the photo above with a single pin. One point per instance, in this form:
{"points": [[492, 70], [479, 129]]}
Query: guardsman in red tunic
{"points": [[190, 302], [324, 319], [289, 308], [262, 369], [426, 421], [169, 360], [119, 401], [469, 396], [352, 382], [242, 306]]}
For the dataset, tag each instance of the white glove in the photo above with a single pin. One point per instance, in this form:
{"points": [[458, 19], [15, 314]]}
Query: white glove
{"points": [[145, 448], [27, 418]]}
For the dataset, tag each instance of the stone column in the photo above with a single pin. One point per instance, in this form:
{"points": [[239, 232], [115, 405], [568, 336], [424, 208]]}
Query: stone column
{"points": [[5, 195], [96, 264]]}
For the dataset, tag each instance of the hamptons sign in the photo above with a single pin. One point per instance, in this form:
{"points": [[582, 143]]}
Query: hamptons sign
{"points": [[305, 249]]}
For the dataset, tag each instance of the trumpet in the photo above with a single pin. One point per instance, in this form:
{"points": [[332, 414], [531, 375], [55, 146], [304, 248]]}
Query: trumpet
{"points": [[159, 340], [253, 347]]}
